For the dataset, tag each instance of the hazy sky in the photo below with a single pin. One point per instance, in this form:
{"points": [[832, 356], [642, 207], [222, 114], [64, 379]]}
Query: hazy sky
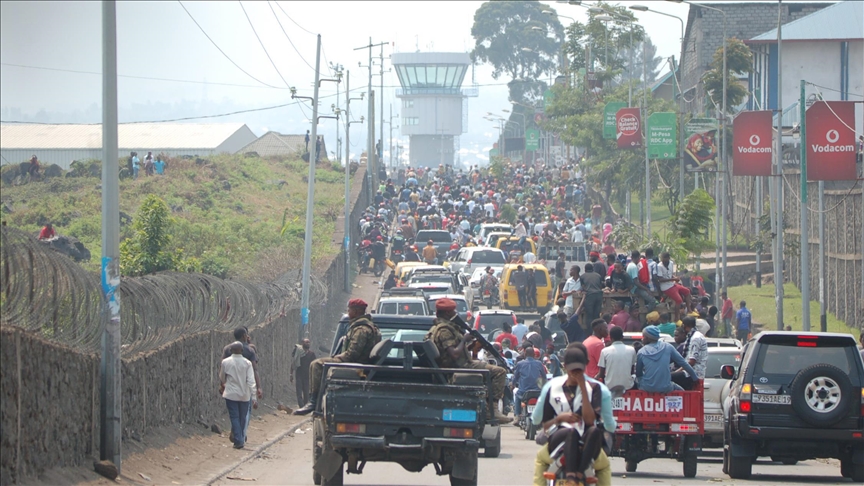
{"points": [[158, 39]]}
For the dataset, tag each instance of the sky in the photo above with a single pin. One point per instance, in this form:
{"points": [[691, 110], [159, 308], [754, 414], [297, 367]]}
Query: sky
{"points": [[160, 40]]}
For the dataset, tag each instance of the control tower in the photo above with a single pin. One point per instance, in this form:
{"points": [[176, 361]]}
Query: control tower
{"points": [[433, 111]]}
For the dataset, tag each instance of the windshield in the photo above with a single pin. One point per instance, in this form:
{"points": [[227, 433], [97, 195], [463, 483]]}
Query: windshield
{"points": [[718, 360], [490, 322], [402, 335], [461, 305], [402, 308], [444, 279], [779, 359], [487, 256], [436, 236]]}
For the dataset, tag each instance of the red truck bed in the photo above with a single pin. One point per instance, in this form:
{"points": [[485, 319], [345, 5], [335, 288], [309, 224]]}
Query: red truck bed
{"points": [[677, 412]]}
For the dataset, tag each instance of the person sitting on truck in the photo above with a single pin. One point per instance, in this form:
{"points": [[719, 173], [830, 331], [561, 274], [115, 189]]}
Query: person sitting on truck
{"points": [[453, 350], [696, 350], [361, 337], [652, 363], [572, 408]]}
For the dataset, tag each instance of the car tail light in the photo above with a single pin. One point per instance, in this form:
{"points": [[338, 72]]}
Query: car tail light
{"points": [[744, 404], [624, 427], [468, 262], [532, 401], [684, 428], [351, 428], [469, 315], [477, 322], [808, 341], [460, 433]]}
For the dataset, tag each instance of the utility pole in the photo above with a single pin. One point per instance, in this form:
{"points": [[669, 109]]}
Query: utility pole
{"points": [[371, 166], [758, 229], [381, 101], [723, 161], [110, 391], [348, 221], [805, 223], [823, 316], [310, 201], [338, 70], [778, 179], [644, 118]]}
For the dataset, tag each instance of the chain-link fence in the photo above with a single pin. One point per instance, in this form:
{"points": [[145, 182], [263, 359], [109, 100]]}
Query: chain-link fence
{"points": [[43, 290]]}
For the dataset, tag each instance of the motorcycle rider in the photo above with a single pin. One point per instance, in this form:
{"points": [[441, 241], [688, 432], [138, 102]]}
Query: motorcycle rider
{"points": [[379, 253], [528, 375], [397, 244]]}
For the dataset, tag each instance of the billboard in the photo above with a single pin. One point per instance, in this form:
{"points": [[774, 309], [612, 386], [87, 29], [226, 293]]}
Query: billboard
{"points": [[532, 140], [752, 143], [609, 111], [514, 144], [662, 135], [629, 128], [700, 144], [831, 141]]}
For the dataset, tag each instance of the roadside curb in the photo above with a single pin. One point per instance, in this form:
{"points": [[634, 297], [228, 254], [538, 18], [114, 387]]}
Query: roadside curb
{"points": [[258, 451]]}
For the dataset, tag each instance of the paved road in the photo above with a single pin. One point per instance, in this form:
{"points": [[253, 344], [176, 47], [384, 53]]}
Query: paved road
{"points": [[289, 463]]}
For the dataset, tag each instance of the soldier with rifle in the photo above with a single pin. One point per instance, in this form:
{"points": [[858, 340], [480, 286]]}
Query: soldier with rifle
{"points": [[454, 348]]}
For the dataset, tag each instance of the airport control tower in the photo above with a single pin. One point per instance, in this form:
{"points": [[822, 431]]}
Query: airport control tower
{"points": [[433, 104]]}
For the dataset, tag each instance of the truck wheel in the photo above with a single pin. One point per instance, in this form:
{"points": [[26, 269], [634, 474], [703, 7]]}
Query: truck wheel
{"points": [[857, 473], [337, 478], [740, 467], [463, 482], [690, 465], [630, 466], [493, 447], [316, 453]]}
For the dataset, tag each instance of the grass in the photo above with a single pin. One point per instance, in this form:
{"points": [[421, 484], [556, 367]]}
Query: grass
{"points": [[760, 301], [227, 209]]}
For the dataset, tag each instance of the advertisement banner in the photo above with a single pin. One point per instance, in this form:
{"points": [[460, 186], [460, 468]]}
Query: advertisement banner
{"points": [[532, 140], [700, 144], [548, 98], [629, 128], [830, 141], [662, 135], [609, 111], [752, 143]]}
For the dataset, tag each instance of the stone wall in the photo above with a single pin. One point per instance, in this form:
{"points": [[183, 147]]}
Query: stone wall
{"points": [[49, 393]]}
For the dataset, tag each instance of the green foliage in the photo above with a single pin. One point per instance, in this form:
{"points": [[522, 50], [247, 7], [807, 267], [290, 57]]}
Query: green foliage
{"points": [[147, 250], [628, 237], [502, 30], [508, 213], [497, 166], [600, 37], [739, 60], [691, 221]]}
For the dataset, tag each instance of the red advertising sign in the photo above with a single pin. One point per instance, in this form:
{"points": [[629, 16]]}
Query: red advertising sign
{"points": [[752, 142], [831, 141], [628, 128]]}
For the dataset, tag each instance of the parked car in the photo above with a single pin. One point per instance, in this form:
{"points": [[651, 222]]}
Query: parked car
{"points": [[718, 356], [474, 257], [796, 396]]}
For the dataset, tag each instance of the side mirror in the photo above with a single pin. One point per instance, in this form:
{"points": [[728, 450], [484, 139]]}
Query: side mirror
{"points": [[727, 372]]}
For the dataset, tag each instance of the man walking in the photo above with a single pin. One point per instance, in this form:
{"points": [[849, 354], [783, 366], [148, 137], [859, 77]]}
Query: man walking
{"points": [[726, 314], [237, 381], [301, 357], [744, 318]]}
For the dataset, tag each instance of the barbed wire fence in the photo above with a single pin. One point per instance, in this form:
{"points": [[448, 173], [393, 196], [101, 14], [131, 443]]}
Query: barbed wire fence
{"points": [[45, 291]]}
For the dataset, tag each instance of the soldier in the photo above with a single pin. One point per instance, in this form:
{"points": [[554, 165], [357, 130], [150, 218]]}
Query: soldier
{"points": [[361, 337], [453, 350]]}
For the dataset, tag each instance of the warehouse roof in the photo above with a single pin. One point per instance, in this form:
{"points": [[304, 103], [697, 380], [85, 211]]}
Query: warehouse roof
{"points": [[137, 135], [274, 143], [841, 21]]}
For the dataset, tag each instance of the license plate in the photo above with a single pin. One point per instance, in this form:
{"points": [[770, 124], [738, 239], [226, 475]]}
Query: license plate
{"points": [[772, 399], [530, 408], [459, 415], [713, 418]]}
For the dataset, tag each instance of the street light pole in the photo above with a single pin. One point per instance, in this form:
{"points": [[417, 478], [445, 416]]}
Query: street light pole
{"points": [[348, 122]]}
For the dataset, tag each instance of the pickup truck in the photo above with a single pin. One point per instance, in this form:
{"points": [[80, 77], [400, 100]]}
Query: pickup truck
{"points": [[401, 408]]}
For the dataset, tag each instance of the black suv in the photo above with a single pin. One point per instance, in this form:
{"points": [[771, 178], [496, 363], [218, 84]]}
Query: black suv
{"points": [[795, 397]]}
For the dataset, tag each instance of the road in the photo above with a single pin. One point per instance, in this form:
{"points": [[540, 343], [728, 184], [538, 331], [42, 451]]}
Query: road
{"points": [[289, 463]]}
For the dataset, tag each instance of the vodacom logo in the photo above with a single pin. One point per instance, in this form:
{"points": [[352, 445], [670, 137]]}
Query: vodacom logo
{"points": [[754, 140], [832, 136]]}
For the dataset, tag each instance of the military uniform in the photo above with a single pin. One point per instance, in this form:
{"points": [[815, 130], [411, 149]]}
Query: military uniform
{"points": [[445, 334], [361, 337]]}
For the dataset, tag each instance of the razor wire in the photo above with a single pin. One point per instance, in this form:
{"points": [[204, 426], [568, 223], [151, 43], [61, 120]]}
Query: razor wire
{"points": [[45, 291]]}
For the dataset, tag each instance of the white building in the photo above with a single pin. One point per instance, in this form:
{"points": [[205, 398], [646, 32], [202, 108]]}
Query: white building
{"points": [[61, 144], [825, 48]]}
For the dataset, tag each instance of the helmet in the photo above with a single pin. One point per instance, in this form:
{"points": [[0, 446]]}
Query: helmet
{"points": [[398, 231], [379, 238]]}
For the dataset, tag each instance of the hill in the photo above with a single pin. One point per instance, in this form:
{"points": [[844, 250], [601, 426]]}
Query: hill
{"points": [[227, 210]]}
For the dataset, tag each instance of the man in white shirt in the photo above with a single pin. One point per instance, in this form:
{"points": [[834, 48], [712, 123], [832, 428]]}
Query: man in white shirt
{"points": [[572, 286], [237, 380], [616, 364], [519, 330]]}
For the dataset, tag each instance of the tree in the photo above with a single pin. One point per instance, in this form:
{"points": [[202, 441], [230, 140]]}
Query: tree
{"points": [[519, 40], [691, 221], [600, 37], [640, 52], [149, 249], [739, 61]]}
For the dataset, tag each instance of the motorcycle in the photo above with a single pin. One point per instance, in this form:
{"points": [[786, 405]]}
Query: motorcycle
{"points": [[529, 399]]}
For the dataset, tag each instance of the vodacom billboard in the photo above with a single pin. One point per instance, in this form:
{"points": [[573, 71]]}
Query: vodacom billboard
{"points": [[831, 141], [752, 141]]}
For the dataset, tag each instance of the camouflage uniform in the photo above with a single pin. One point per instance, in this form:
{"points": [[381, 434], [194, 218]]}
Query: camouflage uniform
{"points": [[445, 334], [361, 337]]}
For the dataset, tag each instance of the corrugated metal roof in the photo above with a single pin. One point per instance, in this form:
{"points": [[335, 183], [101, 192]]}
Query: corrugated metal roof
{"points": [[155, 135], [841, 21], [273, 143]]}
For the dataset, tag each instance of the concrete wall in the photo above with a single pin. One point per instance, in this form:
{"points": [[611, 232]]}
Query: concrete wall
{"points": [[49, 394]]}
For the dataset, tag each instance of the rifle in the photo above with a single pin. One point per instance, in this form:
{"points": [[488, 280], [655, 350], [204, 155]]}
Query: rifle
{"points": [[482, 343]]}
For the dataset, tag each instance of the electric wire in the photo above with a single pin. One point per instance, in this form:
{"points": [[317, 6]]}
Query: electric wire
{"points": [[828, 104], [292, 20], [262, 44], [219, 48], [832, 208], [286, 34]]}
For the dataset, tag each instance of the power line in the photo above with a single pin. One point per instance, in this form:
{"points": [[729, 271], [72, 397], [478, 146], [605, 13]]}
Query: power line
{"points": [[148, 78], [262, 44], [286, 34], [220, 49], [292, 20]]}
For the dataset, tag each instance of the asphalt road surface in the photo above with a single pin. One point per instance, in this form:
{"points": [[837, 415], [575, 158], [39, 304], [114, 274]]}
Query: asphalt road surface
{"points": [[289, 462]]}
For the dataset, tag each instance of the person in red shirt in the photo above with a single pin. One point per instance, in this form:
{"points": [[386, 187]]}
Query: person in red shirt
{"points": [[47, 232], [621, 316], [595, 344], [726, 314], [507, 334]]}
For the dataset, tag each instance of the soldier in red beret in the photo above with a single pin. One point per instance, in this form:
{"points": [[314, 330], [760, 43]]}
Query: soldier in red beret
{"points": [[361, 337], [454, 353]]}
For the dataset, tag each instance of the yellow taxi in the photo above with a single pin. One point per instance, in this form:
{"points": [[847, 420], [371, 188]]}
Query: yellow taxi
{"points": [[509, 295], [402, 269], [508, 244]]}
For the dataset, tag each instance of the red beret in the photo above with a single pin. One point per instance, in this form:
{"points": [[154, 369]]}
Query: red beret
{"points": [[357, 303], [445, 305], [594, 254]]}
